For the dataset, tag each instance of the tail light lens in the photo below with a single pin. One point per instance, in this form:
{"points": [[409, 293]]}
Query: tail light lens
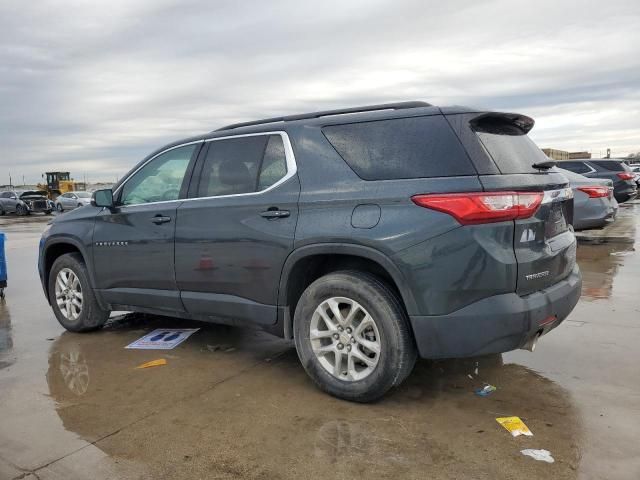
{"points": [[625, 175], [595, 192], [482, 207]]}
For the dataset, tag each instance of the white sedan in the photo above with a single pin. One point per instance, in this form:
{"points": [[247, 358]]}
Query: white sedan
{"points": [[71, 200]]}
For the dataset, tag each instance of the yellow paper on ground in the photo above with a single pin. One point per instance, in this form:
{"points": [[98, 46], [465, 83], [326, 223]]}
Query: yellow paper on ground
{"points": [[515, 426], [153, 363]]}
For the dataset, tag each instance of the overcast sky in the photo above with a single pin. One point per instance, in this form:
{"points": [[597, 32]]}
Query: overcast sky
{"points": [[92, 87]]}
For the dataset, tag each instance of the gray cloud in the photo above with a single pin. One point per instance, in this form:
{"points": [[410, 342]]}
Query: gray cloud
{"points": [[94, 86]]}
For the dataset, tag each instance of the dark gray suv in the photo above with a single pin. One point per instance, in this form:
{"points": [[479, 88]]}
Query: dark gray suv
{"points": [[368, 235]]}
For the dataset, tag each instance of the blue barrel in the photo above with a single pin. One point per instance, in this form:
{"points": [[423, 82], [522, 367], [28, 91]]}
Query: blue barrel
{"points": [[3, 263]]}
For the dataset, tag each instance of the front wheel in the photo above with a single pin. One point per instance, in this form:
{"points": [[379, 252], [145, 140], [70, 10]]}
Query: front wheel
{"points": [[21, 210], [353, 337], [71, 295], [59, 208]]}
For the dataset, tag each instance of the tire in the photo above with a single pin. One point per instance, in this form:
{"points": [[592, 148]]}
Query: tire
{"points": [[89, 316], [21, 210], [48, 212], [389, 333], [59, 207], [2, 212]]}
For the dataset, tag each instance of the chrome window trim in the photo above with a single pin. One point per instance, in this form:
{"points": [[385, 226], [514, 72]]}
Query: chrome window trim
{"points": [[292, 168]]}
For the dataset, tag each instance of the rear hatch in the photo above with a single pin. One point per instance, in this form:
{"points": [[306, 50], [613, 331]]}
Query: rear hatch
{"points": [[544, 243]]}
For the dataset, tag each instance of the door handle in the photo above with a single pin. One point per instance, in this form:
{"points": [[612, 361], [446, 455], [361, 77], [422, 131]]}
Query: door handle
{"points": [[159, 219], [275, 213]]}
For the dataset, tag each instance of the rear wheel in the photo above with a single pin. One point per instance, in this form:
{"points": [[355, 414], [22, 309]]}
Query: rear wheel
{"points": [[353, 337], [2, 212], [71, 295]]}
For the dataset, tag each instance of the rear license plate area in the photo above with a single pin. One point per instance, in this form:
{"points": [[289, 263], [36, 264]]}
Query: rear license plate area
{"points": [[556, 221]]}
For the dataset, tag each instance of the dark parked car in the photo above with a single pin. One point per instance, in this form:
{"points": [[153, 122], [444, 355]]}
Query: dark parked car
{"points": [[368, 235], [593, 202], [24, 203], [624, 185]]}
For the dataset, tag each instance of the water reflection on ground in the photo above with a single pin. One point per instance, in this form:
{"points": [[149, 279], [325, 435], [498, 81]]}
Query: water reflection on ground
{"points": [[249, 410]]}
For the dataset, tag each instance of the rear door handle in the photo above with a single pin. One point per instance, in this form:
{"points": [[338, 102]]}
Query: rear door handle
{"points": [[159, 219], [275, 213]]}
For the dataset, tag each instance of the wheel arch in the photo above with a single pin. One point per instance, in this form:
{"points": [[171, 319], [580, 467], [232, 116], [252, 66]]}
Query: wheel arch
{"points": [[56, 248], [307, 263]]}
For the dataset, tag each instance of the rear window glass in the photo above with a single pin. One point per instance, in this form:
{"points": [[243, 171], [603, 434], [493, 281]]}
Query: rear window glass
{"points": [[612, 166], [511, 150], [417, 147]]}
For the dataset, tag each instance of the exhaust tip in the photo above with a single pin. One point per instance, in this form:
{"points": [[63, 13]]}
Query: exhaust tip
{"points": [[532, 342]]}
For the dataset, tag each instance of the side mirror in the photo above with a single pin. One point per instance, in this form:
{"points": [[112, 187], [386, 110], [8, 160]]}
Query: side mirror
{"points": [[102, 198]]}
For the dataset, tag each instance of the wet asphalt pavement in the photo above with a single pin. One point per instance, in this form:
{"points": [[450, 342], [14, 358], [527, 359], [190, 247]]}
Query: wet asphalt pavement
{"points": [[233, 403]]}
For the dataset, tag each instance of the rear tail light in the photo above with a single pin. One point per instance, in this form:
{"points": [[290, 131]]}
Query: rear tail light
{"points": [[625, 175], [482, 207], [595, 192]]}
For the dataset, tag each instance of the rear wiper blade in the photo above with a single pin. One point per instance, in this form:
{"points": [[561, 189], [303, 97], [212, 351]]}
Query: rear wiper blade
{"points": [[544, 165]]}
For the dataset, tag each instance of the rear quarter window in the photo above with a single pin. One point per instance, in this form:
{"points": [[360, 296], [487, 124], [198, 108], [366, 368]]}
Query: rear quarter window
{"points": [[577, 167], [400, 148], [611, 166]]}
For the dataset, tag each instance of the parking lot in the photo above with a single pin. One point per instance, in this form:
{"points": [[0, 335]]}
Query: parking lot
{"points": [[233, 403]]}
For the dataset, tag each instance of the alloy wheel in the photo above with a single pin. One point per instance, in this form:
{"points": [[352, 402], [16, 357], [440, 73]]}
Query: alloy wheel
{"points": [[345, 339], [69, 294]]}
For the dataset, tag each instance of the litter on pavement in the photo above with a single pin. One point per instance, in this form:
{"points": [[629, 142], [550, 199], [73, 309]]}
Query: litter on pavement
{"points": [[163, 339], [541, 455], [515, 426], [486, 390], [153, 363]]}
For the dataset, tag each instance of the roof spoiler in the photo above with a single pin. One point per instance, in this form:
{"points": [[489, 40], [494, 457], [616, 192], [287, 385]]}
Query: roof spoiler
{"points": [[499, 122]]}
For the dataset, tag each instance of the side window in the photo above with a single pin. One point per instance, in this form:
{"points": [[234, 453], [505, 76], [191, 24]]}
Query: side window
{"points": [[160, 179], [417, 147], [274, 163], [242, 165], [576, 167], [5, 195]]}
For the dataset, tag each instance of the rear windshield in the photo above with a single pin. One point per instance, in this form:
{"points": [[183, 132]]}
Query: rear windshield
{"points": [[611, 165], [511, 149], [417, 147]]}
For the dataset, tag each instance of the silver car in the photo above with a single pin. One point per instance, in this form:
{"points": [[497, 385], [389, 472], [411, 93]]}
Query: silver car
{"points": [[71, 200], [593, 202]]}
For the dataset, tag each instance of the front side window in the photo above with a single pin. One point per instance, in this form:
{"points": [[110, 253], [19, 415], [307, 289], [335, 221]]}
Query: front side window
{"points": [[159, 180], [242, 165], [5, 195]]}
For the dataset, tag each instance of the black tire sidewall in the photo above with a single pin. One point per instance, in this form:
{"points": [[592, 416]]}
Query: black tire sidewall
{"points": [[375, 299], [92, 316]]}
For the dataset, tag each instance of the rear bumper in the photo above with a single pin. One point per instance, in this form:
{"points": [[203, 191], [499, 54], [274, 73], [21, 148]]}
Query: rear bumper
{"points": [[496, 324], [625, 191], [594, 213]]}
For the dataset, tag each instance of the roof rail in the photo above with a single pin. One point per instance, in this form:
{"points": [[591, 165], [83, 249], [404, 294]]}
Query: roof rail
{"points": [[325, 113]]}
